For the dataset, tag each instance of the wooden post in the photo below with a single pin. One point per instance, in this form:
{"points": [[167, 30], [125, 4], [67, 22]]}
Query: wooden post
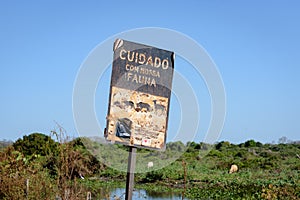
{"points": [[88, 196], [27, 188], [130, 173], [185, 177]]}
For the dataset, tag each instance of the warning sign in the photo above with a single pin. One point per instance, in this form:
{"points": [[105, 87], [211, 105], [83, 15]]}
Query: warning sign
{"points": [[140, 92]]}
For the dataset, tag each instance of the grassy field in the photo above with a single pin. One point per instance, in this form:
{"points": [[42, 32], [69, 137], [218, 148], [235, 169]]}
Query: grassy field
{"points": [[266, 171]]}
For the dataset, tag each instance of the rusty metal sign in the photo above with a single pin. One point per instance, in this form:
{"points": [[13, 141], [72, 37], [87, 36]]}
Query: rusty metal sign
{"points": [[139, 97]]}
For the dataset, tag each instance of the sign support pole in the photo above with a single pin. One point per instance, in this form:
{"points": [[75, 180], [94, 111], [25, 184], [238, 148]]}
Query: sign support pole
{"points": [[130, 173]]}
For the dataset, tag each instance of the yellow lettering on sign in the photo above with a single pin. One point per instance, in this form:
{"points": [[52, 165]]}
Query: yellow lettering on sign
{"points": [[165, 64], [157, 62], [136, 78], [130, 57], [122, 54], [132, 68], [150, 61], [142, 59]]}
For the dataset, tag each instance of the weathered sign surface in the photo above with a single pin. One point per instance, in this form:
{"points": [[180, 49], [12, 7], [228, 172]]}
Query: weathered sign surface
{"points": [[140, 92]]}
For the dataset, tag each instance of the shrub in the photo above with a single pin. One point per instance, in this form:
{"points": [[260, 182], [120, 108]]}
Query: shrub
{"points": [[250, 143], [153, 176], [35, 144], [14, 171], [216, 153], [223, 144]]}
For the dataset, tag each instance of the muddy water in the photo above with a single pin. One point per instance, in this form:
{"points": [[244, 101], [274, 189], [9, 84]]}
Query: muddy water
{"points": [[139, 194]]}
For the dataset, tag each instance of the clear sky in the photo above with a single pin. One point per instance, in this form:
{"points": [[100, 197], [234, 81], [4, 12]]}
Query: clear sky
{"points": [[255, 45]]}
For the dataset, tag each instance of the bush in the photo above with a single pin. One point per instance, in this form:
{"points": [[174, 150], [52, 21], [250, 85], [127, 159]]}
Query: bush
{"points": [[250, 143], [216, 153], [14, 171], [35, 144], [223, 145], [153, 176]]}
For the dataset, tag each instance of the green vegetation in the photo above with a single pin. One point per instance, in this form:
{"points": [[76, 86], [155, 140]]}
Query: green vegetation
{"points": [[54, 167]]}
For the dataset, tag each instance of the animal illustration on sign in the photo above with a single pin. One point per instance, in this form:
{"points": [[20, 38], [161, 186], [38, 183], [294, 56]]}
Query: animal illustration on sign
{"points": [[159, 108], [143, 106]]}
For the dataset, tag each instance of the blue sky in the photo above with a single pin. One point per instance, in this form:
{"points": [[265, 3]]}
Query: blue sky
{"points": [[255, 45]]}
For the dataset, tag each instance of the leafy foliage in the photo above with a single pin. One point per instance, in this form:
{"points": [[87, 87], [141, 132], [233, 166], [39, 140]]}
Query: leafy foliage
{"points": [[52, 168], [35, 144], [266, 171], [15, 170]]}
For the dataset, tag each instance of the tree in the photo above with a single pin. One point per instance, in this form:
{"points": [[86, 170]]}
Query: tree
{"points": [[250, 143], [223, 144], [35, 144], [192, 146], [283, 140], [176, 146]]}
